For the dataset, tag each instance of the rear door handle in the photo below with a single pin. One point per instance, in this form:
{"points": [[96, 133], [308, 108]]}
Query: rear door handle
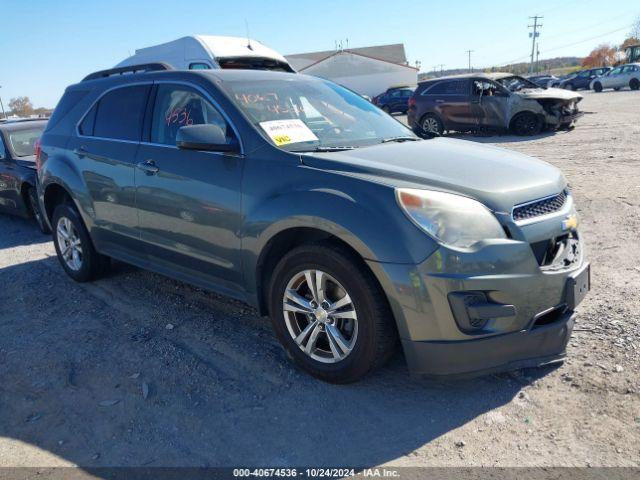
{"points": [[149, 167], [439, 101]]}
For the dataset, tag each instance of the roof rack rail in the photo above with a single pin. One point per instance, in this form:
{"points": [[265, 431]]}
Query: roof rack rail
{"points": [[142, 68]]}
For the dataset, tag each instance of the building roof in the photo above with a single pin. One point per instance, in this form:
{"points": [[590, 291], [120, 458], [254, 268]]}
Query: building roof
{"points": [[393, 53], [487, 75]]}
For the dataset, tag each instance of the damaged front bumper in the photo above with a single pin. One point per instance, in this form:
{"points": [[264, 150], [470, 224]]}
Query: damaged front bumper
{"points": [[486, 310]]}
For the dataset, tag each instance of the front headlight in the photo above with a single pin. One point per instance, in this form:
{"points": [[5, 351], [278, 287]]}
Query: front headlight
{"points": [[451, 219]]}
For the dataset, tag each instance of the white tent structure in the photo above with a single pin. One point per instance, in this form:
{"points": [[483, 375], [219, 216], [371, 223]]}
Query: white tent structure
{"points": [[210, 51], [361, 72]]}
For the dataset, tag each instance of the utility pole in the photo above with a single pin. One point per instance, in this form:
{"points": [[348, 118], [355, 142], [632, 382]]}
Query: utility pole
{"points": [[441, 69], [469, 52], [2, 106], [435, 70], [537, 58], [534, 35]]}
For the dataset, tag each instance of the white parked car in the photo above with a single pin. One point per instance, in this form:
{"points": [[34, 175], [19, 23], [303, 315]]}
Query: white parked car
{"points": [[623, 76]]}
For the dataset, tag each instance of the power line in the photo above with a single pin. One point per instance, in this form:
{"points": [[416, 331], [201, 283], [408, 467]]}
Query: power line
{"points": [[559, 47], [534, 35]]}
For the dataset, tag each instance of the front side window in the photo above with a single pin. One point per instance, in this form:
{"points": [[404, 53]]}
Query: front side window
{"points": [[516, 83], [308, 114], [22, 142], [615, 71], [118, 114], [485, 88], [179, 106]]}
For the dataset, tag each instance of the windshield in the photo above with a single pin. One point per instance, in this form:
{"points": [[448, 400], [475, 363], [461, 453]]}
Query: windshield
{"points": [[516, 83], [22, 142], [311, 114]]}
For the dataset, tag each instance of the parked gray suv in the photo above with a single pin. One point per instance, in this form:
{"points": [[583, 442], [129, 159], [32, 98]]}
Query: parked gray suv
{"points": [[302, 199]]}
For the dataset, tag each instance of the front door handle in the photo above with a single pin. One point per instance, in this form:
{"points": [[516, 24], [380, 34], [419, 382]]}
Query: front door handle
{"points": [[81, 151], [149, 167], [439, 101]]}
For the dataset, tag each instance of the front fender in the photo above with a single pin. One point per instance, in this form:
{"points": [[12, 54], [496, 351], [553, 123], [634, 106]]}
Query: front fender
{"points": [[370, 222]]}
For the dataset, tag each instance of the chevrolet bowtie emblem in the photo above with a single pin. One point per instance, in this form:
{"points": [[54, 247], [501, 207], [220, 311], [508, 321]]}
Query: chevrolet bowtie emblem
{"points": [[570, 223]]}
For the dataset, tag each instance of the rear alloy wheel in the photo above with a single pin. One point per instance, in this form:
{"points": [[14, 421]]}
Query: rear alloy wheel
{"points": [[431, 125], [634, 84], [597, 87], [75, 251], [526, 123], [330, 314], [569, 86], [36, 213]]}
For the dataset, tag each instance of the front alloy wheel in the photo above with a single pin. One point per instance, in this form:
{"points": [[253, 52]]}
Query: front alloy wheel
{"points": [[329, 312], [432, 126], [320, 316]]}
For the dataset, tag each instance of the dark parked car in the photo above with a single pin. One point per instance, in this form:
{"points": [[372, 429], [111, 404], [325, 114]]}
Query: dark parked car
{"points": [[18, 194], [394, 99], [582, 79], [542, 80], [301, 198], [499, 101]]}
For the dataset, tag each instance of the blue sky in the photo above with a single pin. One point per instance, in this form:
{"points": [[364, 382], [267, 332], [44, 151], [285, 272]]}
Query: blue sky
{"points": [[46, 45]]}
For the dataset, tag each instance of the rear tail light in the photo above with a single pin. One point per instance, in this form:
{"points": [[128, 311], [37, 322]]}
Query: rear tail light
{"points": [[38, 152], [412, 102]]}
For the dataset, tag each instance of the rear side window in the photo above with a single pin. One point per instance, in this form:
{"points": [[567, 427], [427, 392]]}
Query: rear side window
{"points": [[118, 114], [178, 106], [449, 87], [199, 66]]}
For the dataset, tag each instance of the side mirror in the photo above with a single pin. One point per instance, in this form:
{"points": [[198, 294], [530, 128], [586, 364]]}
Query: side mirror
{"points": [[206, 137]]}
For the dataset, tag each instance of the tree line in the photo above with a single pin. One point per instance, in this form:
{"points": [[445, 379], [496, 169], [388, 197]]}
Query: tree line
{"points": [[22, 107], [606, 55]]}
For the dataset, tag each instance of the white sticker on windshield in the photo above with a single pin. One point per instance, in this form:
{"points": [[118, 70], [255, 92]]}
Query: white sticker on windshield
{"points": [[283, 132]]}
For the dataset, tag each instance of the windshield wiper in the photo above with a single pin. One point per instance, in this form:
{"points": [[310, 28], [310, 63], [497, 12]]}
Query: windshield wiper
{"points": [[400, 139], [327, 148]]}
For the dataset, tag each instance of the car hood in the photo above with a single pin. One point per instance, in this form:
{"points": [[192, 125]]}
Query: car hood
{"points": [[549, 93], [497, 177]]}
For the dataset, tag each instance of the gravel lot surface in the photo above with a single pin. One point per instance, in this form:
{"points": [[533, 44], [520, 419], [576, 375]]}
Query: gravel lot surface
{"points": [[138, 369]]}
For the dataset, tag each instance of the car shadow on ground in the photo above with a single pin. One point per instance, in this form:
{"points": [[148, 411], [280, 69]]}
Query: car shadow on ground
{"points": [[139, 370], [18, 231]]}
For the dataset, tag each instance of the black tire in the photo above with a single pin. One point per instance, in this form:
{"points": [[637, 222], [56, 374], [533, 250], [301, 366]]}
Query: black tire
{"points": [[634, 84], [569, 86], [617, 89], [597, 87], [526, 124], [376, 337], [386, 109], [431, 125], [92, 264], [36, 213]]}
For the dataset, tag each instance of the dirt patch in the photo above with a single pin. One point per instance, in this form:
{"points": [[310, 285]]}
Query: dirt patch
{"points": [[137, 369]]}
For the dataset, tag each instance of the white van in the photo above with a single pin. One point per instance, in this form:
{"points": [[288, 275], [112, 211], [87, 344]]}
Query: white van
{"points": [[198, 52]]}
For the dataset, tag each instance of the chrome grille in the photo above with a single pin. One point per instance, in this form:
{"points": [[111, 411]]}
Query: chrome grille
{"points": [[537, 208]]}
